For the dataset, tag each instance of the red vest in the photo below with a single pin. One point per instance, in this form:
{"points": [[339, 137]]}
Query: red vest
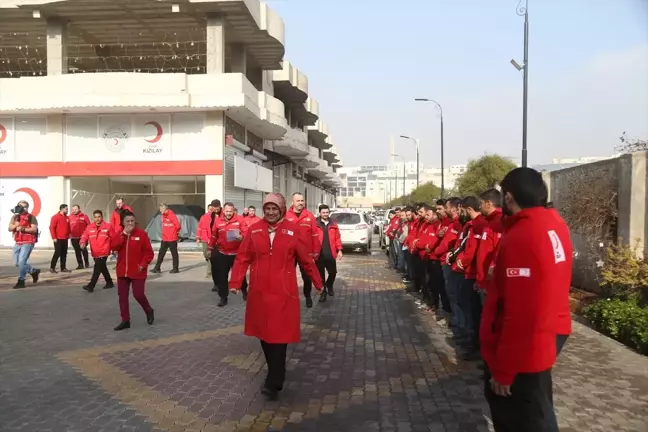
{"points": [[26, 220]]}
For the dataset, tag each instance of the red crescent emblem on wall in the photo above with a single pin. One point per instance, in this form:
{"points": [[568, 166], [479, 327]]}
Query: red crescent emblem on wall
{"points": [[3, 134], [35, 198], [158, 129]]}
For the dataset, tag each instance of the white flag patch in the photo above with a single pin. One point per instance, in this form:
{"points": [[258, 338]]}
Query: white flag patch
{"points": [[556, 244]]}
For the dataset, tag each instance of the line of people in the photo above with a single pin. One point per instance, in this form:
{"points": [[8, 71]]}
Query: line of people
{"points": [[497, 270]]}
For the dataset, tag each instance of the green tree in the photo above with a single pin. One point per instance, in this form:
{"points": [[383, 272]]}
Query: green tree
{"points": [[425, 193], [482, 174]]}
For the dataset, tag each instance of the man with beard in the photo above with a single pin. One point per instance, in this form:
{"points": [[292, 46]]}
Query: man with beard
{"points": [[60, 231], [305, 220], [116, 218], [522, 315], [203, 233], [331, 241]]}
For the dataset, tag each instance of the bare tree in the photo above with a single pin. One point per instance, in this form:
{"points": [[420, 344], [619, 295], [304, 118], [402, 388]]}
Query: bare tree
{"points": [[631, 145]]}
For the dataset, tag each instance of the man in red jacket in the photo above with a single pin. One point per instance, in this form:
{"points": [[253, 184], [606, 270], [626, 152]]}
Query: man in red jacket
{"points": [[116, 217], [227, 234], [521, 317], [78, 224], [60, 231], [252, 218], [170, 235], [329, 237], [305, 220], [491, 208], [97, 235], [470, 299], [203, 233]]}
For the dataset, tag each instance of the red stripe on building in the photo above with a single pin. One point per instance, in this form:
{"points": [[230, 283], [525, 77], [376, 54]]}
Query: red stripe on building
{"points": [[94, 169]]}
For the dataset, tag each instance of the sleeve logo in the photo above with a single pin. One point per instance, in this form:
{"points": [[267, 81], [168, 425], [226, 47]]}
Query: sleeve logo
{"points": [[518, 272], [556, 244]]}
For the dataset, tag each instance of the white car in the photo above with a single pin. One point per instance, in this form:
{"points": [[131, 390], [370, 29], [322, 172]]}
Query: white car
{"points": [[355, 229]]}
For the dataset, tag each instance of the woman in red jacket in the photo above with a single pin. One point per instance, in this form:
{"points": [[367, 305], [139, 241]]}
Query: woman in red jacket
{"points": [[134, 256], [272, 313]]}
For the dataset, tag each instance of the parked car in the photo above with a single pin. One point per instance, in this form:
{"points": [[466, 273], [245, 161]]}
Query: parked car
{"points": [[355, 229]]}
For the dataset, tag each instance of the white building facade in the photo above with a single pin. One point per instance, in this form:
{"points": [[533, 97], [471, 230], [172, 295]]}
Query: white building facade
{"points": [[156, 102]]}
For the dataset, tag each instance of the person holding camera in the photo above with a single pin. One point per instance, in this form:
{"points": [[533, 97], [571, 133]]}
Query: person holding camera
{"points": [[60, 231], [24, 227]]}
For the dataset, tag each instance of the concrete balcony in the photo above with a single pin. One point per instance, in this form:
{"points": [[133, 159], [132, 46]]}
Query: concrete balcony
{"points": [[135, 92], [330, 155], [317, 135], [321, 170], [311, 160], [291, 87], [294, 144], [312, 106]]}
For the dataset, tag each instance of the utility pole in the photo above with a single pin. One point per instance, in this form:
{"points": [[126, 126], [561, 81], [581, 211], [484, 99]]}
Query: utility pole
{"points": [[523, 10], [442, 144]]}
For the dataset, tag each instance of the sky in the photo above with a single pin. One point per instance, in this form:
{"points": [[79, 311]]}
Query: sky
{"points": [[366, 61]]}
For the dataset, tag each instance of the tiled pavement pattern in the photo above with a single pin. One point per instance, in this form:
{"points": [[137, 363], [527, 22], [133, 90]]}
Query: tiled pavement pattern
{"points": [[368, 361]]}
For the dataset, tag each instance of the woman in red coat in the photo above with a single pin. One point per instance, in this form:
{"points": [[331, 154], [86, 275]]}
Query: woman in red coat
{"points": [[272, 313], [134, 256]]}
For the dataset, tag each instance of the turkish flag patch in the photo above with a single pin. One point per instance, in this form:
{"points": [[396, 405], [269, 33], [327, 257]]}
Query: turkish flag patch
{"points": [[518, 272]]}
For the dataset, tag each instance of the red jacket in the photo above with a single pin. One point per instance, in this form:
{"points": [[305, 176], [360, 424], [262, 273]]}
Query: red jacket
{"points": [[334, 237], [115, 218], [203, 232], [98, 236], [78, 224], [60, 227], [219, 234], [530, 284], [135, 253], [421, 239], [412, 233], [272, 312], [487, 246], [468, 256], [448, 240], [307, 227], [564, 311], [170, 226], [431, 240], [251, 220], [392, 227]]}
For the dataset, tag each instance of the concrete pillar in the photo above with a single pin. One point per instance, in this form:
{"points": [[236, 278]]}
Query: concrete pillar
{"points": [[215, 134], [267, 85], [56, 136], [215, 44], [632, 200], [57, 194], [213, 188], [57, 63], [239, 59]]}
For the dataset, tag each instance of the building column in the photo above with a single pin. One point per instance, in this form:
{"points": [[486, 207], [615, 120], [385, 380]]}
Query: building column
{"points": [[57, 62], [239, 59], [215, 44], [632, 227], [57, 194], [215, 134]]}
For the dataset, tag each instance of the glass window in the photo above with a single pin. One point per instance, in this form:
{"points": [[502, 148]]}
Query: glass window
{"points": [[346, 218]]}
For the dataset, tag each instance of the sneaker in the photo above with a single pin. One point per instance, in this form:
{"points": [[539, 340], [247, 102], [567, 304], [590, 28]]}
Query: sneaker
{"points": [[80, 267], [53, 270], [108, 286], [88, 288], [156, 270], [64, 270], [35, 274], [87, 265], [222, 302], [309, 302], [174, 271]]}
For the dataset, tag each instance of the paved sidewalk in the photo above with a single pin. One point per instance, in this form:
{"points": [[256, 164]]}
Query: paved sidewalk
{"points": [[368, 361]]}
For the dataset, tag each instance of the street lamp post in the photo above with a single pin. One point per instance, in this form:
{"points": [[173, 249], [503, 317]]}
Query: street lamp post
{"points": [[404, 176], [442, 146], [416, 141], [523, 10]]}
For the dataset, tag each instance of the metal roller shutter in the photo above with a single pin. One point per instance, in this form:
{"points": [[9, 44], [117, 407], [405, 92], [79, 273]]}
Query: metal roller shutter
{"points": [[253, 198], [230, 193]]}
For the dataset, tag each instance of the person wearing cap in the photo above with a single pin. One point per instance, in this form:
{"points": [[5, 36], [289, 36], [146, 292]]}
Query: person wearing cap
{"points": [[272, 314], [203, 232]]}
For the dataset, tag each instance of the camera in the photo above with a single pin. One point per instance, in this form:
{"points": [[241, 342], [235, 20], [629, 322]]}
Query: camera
{"points": [[18, 210]]}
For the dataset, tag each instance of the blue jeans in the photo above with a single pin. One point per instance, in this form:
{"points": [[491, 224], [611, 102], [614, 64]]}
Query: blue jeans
{"points": [[453, 287], [405, 263], [394, 246], [466, 295], [20, 256]]}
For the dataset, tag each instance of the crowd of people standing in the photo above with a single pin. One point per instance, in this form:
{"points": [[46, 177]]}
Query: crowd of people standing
{"points": [[496, 269]]}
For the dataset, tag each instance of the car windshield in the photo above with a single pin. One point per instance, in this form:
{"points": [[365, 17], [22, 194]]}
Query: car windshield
{"points": [[346, 218]]}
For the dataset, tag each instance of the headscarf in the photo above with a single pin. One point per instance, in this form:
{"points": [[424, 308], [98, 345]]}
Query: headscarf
{"points": [[278, 200]]}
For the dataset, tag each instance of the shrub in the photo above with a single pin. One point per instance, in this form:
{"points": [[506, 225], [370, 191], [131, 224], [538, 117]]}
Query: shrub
{"points": [[622, 319], [624, 274]]}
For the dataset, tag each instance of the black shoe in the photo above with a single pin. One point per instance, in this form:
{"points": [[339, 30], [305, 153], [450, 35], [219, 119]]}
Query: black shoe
{"points": [[322, 297], [108, 286], [64, 270], [472, 355], [80, 267], [87, 265], [88, 288], [53, 270], [309, 302], [156, 270], [270, 394], [150, 317], [122, 325], [222, 302], [174, 271], [330, 291], [19, 284], [215, 289], [35, 275]]}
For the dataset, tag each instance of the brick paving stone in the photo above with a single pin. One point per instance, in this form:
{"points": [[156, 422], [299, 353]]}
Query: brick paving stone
{"points": [[369, 361]]}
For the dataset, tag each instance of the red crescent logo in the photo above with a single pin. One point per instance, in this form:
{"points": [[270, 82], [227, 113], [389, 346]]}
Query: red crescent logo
{"points": [[35, 198], [3, 134], [159, 131]]}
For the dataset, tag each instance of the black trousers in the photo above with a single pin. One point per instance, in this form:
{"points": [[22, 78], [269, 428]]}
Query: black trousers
{"points": [[418, 272], [436, 285], [100, 268], [476, 308], [81, 253], [327, 265], [173, 247], [60, 251], [275, 355], [528, 409], [221, 266], [308, 283]]}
